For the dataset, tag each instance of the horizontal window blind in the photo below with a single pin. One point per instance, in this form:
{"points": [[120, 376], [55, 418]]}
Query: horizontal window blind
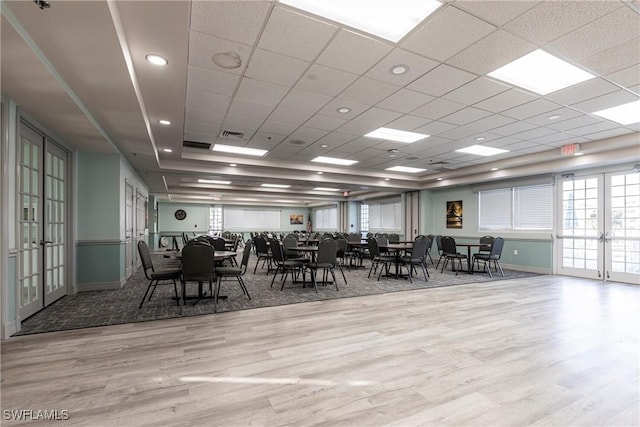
{"points": [[527, 208], [385, 216], [326, 219], [251, 219]]}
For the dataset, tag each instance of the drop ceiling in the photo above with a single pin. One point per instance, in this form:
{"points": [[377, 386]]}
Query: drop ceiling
{"points": [[78, 69]]}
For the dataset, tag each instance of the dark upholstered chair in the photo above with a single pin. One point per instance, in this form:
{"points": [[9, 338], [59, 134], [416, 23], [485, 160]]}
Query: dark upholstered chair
{"points": [[155, 277]]}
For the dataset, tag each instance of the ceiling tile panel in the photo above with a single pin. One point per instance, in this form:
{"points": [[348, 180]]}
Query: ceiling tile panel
{"points": [[533, 133], [368, 91], [278, 127], [408, 122], [252, 109], [435, 128], [628, 77], [417, 66], [465, 116], [437, 108], [296, 35], [492, 52], [331, 109], [446, 33], [441, 80], [530, 109], [237, 21], [604, 33], [565, 113], [405, 101], [203, 47], [303, 100], [615, 58], [596, 127], [211, 81], [607, 134], [506, 100], [574, 123], [335, 139], [606, 101], [261, 92], [352, 52], [551, 19], [513, 128], [325, 81], [582, 91], [476, 91], [208, 101], [290, 115], [378, 116], [325, 122], [306, 134], [275, 68], [497, 12]]}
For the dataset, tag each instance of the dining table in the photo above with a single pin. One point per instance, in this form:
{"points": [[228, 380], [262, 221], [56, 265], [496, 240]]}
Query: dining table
{"points": [[397, 249], [469, 246]]}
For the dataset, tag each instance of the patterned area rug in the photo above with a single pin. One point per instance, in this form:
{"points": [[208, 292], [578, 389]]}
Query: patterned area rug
{"points": [[101, 308]]}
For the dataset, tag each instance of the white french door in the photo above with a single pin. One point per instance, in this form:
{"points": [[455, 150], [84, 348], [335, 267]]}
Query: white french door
{"points": [[42, 180], [599, 227], [128, 229]]}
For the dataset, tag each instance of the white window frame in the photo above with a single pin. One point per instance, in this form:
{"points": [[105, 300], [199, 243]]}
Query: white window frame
{"points": [[513, 212]]}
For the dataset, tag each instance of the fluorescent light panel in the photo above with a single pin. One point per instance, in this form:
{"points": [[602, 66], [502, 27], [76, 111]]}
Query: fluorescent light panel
{"points": [[213, 181], [239, 150], [276, 185], [624, 114], [390, 20], [541, 73], [405, 169], [326, 189], [482, 150], [334, 161], [396, 135]]}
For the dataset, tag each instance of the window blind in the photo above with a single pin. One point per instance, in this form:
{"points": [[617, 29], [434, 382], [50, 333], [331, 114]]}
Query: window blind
{"points": [[528, 208]]}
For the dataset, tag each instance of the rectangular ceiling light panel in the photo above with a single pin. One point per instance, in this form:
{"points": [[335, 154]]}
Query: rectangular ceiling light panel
{"points": [[334, 161], [390, 20], [396, 135], [481, 150], [326, 189], [405, 169], [624, 114], [238, 150], [541, 73], [212, 181], [275, 185]]}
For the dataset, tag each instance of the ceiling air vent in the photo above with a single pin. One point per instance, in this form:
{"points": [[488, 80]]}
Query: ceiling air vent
{"points": [[194, 144], [232, 135]]}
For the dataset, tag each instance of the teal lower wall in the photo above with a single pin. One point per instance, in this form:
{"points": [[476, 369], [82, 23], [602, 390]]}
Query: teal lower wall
{"points": [[99, 264]]}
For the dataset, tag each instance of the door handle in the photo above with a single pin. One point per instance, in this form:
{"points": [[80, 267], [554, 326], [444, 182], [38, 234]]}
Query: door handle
{"points": [[45, 242]]}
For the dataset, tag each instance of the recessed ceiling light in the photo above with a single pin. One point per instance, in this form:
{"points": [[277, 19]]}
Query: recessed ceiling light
{"points": [[405, 169], [579, 153], [541, 73], [164, 122], [480, 138], [387, 179], [389, 20], [276, 185], [399, 69], [334, 161], [494, 169], [233, 165], [392, 155], [213, 181], [319, 173], [324, 146], [167, 150], [439, 179], [554, 117], [326, 189], [344, 110], [624, 114], [156, 59], [239, 150], [482, 150], [396, 135]]}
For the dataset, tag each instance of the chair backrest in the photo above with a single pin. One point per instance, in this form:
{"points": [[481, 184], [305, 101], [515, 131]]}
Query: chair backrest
{"points": [[145, 257], [198, 262], [260, 244], [374, 250], [327, 251], [448, 245], [439, 243], [289, 244], [246, 253], [355, 238], [394, 238], [496, 248], [382, 241], [341, 245], [429, 239], [218, 244], [419, 250], [276, 250], [486, 240]]}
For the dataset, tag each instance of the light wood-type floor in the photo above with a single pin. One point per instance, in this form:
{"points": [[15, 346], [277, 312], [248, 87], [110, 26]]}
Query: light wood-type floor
{"points": [[547, 350]]}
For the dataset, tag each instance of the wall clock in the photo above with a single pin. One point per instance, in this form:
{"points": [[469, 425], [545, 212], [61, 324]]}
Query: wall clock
{"points": [[180, 214]]}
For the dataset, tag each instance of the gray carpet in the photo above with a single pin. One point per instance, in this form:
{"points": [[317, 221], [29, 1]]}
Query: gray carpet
{"points": [[100, 308]]}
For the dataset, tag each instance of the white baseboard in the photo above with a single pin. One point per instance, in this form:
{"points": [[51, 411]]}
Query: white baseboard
{"points": [[99, 286], [10, 328]]}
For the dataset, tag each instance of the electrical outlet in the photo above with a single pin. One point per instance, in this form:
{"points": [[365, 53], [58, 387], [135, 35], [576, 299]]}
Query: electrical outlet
{"points": [[515, 252]]}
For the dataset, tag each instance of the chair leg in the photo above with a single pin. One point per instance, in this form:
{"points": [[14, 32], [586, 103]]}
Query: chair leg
{"points": [[343, 276], [145, 295], [334, 278], [424, 270], [216, 292], [313, 279], [175, 288], [499, 266]]}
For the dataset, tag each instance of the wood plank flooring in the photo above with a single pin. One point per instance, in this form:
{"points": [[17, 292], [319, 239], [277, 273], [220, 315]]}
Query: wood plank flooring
{"points": [[548, 351]]}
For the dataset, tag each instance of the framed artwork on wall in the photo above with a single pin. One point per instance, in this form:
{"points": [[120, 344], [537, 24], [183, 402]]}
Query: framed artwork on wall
{"points": [[454, 214], [296, 219]]}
